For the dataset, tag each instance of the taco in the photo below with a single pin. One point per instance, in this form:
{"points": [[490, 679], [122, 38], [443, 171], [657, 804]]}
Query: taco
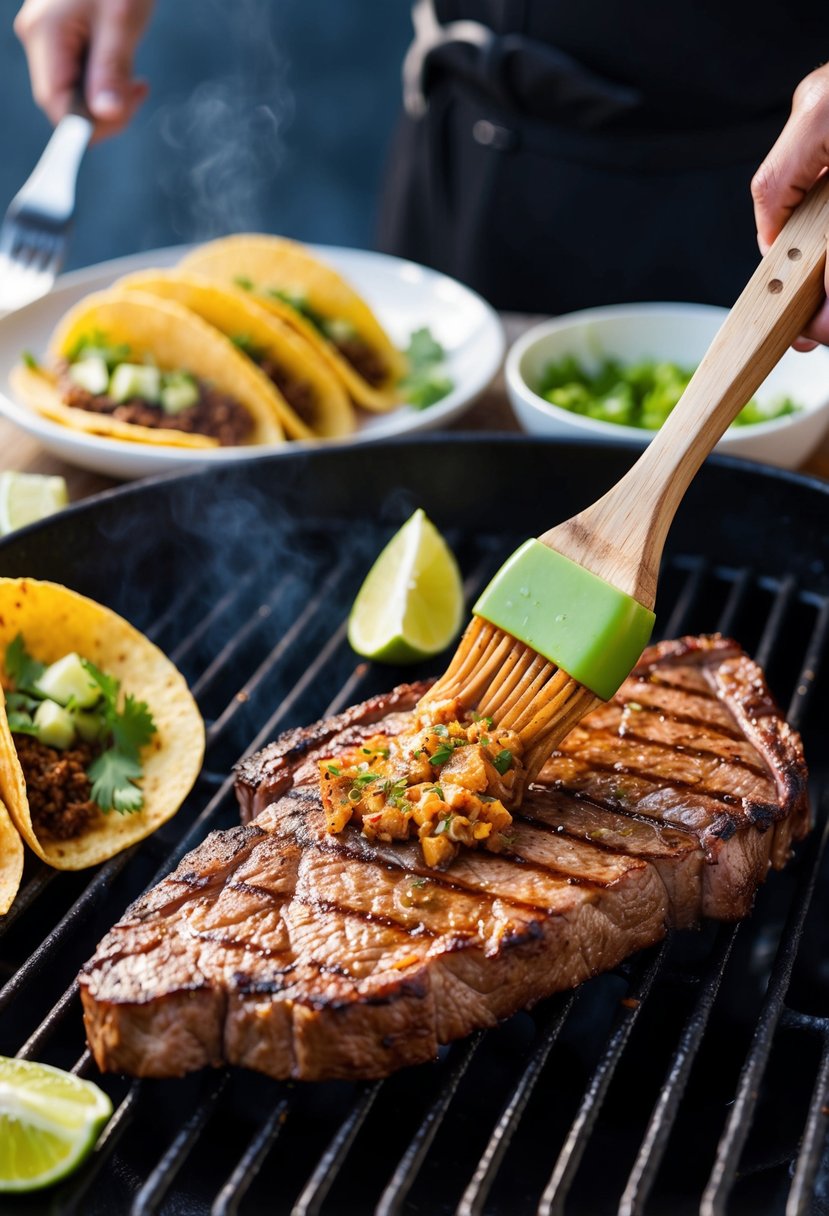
{"points": [[136, 367], [11, 860], [309, 400], [100, 739], [315, 300]]}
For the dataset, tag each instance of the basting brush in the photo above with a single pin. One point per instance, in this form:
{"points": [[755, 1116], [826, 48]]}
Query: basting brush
{"points": [[567, 616]]}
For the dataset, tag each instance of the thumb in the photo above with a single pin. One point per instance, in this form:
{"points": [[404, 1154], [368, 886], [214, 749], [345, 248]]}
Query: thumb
{"points": [[797, 159], [109, 79]]}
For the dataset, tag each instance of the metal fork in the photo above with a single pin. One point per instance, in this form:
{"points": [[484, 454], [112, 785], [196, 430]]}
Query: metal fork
{"points": [[35, 233]]}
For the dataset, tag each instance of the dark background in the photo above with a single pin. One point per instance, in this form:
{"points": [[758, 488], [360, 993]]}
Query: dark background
{"points": [[269, 115]]}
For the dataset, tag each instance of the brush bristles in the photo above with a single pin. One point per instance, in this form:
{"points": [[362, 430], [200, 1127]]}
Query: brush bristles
{"points": [[502, 678]]}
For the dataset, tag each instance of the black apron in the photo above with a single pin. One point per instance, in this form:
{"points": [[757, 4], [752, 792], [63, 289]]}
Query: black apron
{"points": [[558, 156]]}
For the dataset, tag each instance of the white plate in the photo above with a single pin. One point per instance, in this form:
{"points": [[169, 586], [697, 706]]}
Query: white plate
{"points": [[405, 297]]}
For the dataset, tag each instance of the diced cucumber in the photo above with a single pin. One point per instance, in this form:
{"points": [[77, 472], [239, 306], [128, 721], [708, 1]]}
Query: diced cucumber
{"points": [[135, 380], [91, 374], [89, 725], [54, 725], [68, 680], [178, 393]]}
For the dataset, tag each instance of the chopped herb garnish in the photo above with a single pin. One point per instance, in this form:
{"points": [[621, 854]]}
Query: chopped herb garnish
{"points": [[96, 343], [23, 671], [441, 754], [131, 728], [248, 347], [503, 761], [244, 282], [419, 882], [487, 721], [443, 825], [634, 705], [436, 789], [364, 779], [333, 769], [427, 381], [395, 791], [442, 730], [29, 360], [21, 723]]}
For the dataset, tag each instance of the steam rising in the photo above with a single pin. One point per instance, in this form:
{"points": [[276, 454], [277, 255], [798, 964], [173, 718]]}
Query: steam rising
{"points": [[228, 135]]}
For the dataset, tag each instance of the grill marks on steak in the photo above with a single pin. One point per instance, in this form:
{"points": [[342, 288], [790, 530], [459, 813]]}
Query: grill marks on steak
{"points": [[281, 948]]}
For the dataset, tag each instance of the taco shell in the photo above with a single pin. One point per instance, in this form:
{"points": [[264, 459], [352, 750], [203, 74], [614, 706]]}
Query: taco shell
{"points": [[54, 621], [11, 859], [175, 339], [238, 314], [271, 262]]}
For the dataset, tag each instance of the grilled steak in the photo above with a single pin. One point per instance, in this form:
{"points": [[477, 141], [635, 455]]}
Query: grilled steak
{"points": [[301, 954]]}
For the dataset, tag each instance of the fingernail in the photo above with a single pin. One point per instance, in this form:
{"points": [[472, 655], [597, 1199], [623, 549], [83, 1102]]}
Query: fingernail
{"points": [[107, 103]]}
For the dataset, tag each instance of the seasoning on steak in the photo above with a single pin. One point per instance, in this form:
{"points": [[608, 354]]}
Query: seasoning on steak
{"points": [[57, 786], [282, 948], [215, 414]]}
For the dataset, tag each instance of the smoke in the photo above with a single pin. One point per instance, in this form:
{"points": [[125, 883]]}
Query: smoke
{"points": [[227, 137]]}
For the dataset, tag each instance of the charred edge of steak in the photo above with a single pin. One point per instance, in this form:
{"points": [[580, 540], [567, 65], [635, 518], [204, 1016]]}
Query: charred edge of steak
{"points": [[265, 776], [741, 686]]}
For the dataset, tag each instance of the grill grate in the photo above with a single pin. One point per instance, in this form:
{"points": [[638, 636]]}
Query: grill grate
{"points": [[586, 1104]]}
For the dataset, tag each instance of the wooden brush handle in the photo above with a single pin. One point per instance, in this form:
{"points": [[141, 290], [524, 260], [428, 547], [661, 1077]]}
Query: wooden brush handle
{"points": [[621, 536]]}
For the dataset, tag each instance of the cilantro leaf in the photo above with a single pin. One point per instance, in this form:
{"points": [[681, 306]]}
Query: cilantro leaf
{"points": [[112, 775], [427, 381], [503, 761], [109, 686], [423, 350], [29, 360], [22, 724], [441, 754], [23, 671], [133, 728]]}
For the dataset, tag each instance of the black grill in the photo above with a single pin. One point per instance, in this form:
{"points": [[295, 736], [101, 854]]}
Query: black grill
{"points": [[694, 1077]]}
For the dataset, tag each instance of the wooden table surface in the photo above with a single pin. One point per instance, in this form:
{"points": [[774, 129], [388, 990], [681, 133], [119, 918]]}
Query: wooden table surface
{"points": [[491, 412]]}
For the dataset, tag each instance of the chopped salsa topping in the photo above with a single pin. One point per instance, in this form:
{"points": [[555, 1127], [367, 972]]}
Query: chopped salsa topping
{"points": [[447, 781], [107, 378], [78, 746]]}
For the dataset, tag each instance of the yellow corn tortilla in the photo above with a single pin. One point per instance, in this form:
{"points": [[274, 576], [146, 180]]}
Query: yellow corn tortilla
{"points": [[176, 340], [236, 313], [54, 621], [270, 262], [11, 858]]}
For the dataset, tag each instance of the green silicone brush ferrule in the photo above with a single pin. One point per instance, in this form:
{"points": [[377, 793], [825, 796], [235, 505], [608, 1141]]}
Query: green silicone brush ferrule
{"points": [[588, 628]]}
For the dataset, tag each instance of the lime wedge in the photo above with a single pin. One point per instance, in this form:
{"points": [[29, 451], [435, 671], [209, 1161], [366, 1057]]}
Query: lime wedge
{"points": [[27, 497], [411, 603], [49, 1122]]}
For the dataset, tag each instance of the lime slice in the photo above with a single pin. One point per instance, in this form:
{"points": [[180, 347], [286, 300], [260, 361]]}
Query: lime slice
{"points": [[411, 603], [28, 497], [49, 1122]]}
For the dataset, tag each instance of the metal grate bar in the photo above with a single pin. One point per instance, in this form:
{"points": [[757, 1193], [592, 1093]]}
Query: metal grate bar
{"points": [[736, 599], [403, 1178], [288, 639], [329, 1165], [222, 605], [555, 1192], [80, 909], [646, 1167], [814, 1137], [49, 1024], [476, 1194], [234, 1190], [107, 1142], [811, 665], [741, 1114], [25, 898], [162, 1177], [776, 619], [686, 600]]}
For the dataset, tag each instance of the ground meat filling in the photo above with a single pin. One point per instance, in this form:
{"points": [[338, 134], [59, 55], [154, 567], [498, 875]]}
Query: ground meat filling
{"points": [[299, 394], [365, 361], [215, 414], [57, 786]]}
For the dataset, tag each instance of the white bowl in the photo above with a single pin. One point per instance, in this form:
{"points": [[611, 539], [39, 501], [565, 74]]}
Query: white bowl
{"points": [[678, 333]]}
